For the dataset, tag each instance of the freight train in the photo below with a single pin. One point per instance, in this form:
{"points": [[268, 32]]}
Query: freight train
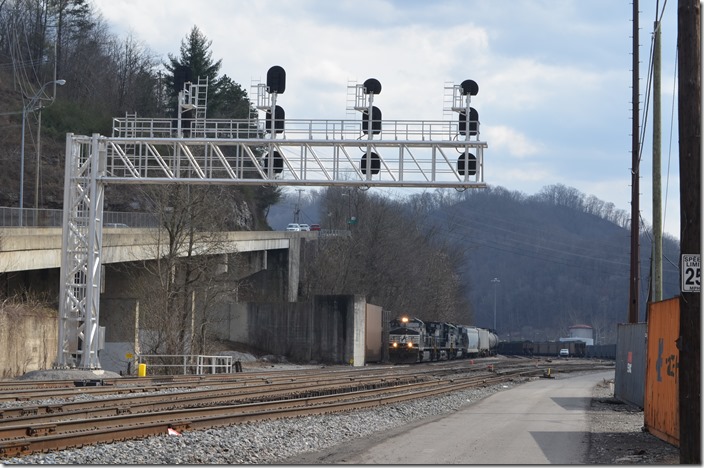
{"points": [[413, 340], [542, 348]]}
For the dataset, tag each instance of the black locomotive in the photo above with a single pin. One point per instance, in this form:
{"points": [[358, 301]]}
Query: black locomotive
{"points": [[413, 340]]}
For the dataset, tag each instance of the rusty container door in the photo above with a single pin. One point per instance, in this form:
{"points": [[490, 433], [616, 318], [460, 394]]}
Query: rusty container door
{"points": [[661, 411]]}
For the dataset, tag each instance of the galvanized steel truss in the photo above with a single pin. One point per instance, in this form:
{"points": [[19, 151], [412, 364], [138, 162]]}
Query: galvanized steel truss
{"points": [[306, 153]]}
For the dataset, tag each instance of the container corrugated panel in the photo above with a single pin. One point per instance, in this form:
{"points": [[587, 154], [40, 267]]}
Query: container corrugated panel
{"points": [[661, 411], [629, 383]]}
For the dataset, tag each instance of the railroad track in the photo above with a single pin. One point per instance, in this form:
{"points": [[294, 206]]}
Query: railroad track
{"points": [[131, 411]]}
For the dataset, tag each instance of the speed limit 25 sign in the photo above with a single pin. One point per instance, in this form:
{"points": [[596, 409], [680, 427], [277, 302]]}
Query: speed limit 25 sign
{"points": [[691, 273]]}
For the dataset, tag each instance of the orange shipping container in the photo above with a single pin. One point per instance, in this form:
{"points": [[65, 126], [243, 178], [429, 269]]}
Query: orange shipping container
{"points": [[661, 405]]}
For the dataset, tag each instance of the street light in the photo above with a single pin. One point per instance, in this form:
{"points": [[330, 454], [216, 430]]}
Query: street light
{"points": [[31, 106], [496, 282]]}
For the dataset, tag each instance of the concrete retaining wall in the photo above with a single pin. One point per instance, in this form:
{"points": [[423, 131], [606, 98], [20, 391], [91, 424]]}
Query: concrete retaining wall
{"points": [[27, 339], [329, 329]]}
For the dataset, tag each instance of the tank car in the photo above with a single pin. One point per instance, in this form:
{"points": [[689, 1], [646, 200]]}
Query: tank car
{"points": [[488, 342]]}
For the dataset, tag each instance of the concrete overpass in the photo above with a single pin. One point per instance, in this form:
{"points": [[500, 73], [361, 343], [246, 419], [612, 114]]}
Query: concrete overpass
{"points": [[27, 249], [30, 260]]}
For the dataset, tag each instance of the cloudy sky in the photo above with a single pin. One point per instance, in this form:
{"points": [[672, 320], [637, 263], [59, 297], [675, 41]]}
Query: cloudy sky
{"points": [[554, 75]]}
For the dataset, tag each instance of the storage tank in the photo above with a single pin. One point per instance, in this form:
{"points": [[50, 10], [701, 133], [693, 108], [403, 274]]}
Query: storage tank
{"points": [[582, 331]]}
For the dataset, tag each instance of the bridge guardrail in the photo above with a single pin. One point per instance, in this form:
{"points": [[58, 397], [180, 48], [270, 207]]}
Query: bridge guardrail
{"points": [[46, 217]]}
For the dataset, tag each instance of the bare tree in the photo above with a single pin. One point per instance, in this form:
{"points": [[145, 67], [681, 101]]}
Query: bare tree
{"points": [[180, 290], [391, 256]]}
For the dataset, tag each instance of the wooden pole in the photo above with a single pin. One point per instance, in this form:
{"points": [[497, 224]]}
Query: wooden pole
{"points": [[656, 276], [635, 180], [690, 120]]}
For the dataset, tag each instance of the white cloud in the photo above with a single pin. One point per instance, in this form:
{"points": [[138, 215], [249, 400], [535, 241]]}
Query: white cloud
{"points": [[507, 140], [554, 78], [525, 84], [531, 177]]}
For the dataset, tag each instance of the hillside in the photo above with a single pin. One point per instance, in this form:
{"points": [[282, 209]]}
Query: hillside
{"points": [[557, 265], [561, 258], [101, 77]]}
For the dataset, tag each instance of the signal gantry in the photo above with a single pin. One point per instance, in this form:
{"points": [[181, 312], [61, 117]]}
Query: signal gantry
{"points": [[275, 150]]}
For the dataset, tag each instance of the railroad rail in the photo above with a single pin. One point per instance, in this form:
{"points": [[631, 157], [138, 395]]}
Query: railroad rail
{"points": [[138, 409]]}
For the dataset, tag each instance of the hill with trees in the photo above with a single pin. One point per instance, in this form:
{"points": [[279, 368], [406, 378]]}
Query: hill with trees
{"points": [[561, 258], [106, 77]]}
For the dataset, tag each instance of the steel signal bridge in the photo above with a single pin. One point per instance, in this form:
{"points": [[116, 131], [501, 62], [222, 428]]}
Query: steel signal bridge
{"points": [[192, 149]]}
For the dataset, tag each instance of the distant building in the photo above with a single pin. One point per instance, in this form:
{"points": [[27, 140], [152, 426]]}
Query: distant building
{"points": [[581, 333]]}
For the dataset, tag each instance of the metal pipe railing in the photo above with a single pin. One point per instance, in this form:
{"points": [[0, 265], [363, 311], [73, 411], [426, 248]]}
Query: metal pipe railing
{"points": [[45, 217], [189, 364]]}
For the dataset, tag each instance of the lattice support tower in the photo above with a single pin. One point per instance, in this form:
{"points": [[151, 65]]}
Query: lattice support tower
{"points": [[79, 332]]}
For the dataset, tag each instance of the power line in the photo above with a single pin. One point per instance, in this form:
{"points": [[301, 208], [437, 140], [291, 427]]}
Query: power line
{"points": [[519, 241], [672, 125]]}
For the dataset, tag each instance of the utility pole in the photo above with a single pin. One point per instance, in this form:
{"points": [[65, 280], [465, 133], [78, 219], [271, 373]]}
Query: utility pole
{"points": [[33, 104], [656, 274], [297, 210], [349, 209], [690, 121], [496, 282], [635, 182]]}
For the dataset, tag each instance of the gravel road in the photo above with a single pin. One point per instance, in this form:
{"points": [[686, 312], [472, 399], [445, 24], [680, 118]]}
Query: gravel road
{"points": [[617, 436]]}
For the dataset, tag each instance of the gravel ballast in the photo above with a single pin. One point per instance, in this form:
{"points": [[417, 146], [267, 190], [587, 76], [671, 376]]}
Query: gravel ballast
{"points": [[266, 442], [616, 436]]}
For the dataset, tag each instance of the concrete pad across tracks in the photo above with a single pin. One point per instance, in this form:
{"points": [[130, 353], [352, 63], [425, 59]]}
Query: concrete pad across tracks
{"points": [[540, 422]]}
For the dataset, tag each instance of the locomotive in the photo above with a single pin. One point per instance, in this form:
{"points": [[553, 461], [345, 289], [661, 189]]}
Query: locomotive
{"points": [[413, 340]]}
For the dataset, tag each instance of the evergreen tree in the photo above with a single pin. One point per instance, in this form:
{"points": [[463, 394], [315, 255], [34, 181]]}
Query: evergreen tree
{"points": [[196, 59], [230, 102]]}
